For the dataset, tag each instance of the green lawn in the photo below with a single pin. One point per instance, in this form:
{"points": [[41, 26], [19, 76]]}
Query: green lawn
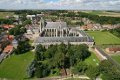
{"points": [[104, 37], [116, 58], [92, 60], [15, 66]]}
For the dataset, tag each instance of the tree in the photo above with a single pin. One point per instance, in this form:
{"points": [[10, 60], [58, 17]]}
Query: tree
{"points": [[31, 69], [39, 53], [23, 46], [18, 30], [6, 21], [61, 57], [115, 32], [92, 72], [11, 31], [109, 71], [38, 70], [79, 23], [42, 70], [51, 51], [27, 22], [80, 68]]}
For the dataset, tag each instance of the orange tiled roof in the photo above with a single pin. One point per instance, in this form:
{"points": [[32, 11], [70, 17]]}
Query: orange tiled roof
{"points": [[8, 49], [10, 37], [89, 26], [114, 49], [8, 26]]}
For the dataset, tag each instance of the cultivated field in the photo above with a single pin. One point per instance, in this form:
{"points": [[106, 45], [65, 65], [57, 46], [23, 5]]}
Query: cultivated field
{"points": [[15, 66], [5, 14], [104, 13], [104, 37]]}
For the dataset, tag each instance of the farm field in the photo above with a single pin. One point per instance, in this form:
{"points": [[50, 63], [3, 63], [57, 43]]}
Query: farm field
{"points": [[4, 14], [15, 67], [104, 13], [104, 37], [116, 58]]}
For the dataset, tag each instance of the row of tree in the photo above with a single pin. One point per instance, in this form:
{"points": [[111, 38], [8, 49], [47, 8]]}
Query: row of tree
{"points": [[6, 21], [109, 71], [95, 18], [116, 32], [29, 12]]}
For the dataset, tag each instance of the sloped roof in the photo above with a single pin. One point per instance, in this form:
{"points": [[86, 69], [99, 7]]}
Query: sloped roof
{"points": [[8, 26], [64, 39], [8, 49], [56, 25], [114, 49]]}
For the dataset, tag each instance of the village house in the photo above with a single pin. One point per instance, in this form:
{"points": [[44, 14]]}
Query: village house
{"points": [[10, 37], [6, 52], [8, 49], [8, 26], [113, 49], [15, 43], [87, 27]]}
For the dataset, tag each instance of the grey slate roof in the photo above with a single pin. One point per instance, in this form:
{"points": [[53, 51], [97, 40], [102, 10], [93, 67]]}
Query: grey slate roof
{"points": [[56, 25], [64, 39]]}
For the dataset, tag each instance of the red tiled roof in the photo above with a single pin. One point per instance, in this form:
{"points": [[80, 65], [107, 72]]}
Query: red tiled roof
{"points": [[89, 26], [8, 26], [8, 49], [114, 49], [11, 37]]}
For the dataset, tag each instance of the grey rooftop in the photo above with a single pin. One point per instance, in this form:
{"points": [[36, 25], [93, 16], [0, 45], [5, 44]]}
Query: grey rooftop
{"points": [[63, 39], [56, 25]]}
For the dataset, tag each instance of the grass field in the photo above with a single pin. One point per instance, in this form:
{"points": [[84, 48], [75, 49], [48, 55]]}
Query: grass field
{"points": [[15, 66], [104, 37], [104, 13], [4, 14], [92, 60], [116, 58]]}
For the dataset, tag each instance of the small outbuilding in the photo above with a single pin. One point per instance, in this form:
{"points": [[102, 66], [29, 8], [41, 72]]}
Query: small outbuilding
{"points": [[113, 49]]}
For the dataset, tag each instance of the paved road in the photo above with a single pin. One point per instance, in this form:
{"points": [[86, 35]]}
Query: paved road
{"points": [[108, 57], [66, 77], [2, 56]]}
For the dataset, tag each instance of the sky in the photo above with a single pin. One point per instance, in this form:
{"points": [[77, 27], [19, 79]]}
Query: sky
{"points": [[61, 4]]}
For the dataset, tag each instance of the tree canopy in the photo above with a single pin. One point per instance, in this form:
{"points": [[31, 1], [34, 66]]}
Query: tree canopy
{"points": [[23, 46], [59, 57], [19, 29], [109, 71]]}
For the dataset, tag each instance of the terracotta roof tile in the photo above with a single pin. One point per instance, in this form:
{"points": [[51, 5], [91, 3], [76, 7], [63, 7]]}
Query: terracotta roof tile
{"points": [[114, 49], [8, 49], [8, 26]]}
